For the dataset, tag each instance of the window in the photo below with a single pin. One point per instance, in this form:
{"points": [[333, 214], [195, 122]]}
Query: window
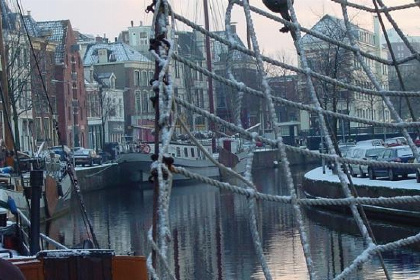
{"points": [[145, 102], [144, 81], [178, 151], [192, 152], [138, 101], [136, 78], [185, 152]]}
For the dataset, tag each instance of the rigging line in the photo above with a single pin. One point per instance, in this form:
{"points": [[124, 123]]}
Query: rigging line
{"points": [[397, 68], [279, 100], [324, 129], [320, 36], [375, 82], [398, 30], [6, 114], [44, 87], [70, 168], [381, 10], [302, 70]]}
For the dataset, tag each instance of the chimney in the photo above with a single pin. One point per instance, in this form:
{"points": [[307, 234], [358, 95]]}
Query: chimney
{"points": [[115, 39], [233, 28], [132, 23], [29, 13]]}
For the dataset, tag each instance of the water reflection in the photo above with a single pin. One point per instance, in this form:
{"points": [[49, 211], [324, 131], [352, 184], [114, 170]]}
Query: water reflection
{"points": [[211, 237]]}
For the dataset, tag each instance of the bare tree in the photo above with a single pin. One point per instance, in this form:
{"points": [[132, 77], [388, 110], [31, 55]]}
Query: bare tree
{"points": [[19, 73], [333, 61]]}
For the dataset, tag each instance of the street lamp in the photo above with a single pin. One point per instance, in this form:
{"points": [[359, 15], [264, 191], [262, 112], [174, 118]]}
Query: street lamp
{"points": [[75, 107]]}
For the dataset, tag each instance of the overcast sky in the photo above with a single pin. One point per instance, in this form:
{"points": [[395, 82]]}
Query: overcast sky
{"points": [[110, 17]]}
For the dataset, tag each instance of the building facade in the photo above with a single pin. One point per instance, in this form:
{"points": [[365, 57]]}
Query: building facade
{"points": [[341, 64]]}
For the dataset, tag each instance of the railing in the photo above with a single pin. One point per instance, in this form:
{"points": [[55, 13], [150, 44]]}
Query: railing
{"points": [[24, 226]]}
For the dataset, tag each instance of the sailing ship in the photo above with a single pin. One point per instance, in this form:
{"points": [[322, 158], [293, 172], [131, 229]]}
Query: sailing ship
{"points": [[57, 190], [53, 180]]}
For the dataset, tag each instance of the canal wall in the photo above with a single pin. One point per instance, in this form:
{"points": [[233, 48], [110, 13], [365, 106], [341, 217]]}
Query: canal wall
{"points": [[98, 177], [401, 212], [265, 158]]}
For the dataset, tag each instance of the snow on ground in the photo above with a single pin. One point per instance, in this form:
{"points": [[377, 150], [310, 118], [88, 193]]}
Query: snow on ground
{"points": [[410, 183]]}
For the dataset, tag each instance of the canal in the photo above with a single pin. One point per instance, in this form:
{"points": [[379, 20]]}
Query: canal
{"points": [[211, 237]]}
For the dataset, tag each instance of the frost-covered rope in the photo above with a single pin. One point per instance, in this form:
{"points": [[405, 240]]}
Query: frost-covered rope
{"points": [[279, 100], [373, 10], [252, 194], [301, 201], [341, 176], [300, 70], [250, 135]]}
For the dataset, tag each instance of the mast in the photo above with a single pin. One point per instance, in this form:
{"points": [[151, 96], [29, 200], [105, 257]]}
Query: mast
{"points": [[4, 88], [209, 67]]}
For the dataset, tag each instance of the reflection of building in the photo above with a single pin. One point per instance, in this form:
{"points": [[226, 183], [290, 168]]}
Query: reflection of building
{"points": [[340, 64]]}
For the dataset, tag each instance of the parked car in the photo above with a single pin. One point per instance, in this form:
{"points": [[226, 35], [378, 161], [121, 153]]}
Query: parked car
{"points": [[395, 141], [370, 142], [87, 156], [62, 151], [402, 154], [363, 153]]}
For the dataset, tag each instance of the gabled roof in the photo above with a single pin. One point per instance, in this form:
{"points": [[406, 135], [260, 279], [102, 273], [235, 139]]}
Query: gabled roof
{"points": [[58, 32], [121, 53], [32, 26], [221, 49], [329, 26], [104, 78], [8, 17]]}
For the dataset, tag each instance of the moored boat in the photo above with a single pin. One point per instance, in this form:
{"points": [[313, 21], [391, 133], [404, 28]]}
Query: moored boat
{"points": [[56, 192], [135, 164]]}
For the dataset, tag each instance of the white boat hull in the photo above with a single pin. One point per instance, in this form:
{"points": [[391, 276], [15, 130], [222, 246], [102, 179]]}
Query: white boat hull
{"points": [[135, 167]]}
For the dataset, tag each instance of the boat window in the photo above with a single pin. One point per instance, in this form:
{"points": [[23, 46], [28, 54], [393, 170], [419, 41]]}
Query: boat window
{"points": [[178, 151], [185, 152], [192, 152]]}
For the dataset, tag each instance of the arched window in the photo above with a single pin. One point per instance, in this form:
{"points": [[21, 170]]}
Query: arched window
{"points": [[144, 80], [138, 101], [136, 78], [145, 102]]}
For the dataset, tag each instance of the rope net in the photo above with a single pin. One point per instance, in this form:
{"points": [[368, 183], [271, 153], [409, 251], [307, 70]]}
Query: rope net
{"points": [[321, 79]]}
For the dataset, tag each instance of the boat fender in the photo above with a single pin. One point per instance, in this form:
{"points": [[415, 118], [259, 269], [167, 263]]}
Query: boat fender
{"points": [[12, 205], [60, 190]]}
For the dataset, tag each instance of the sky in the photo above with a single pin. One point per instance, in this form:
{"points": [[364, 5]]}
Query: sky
{"points": [[110, 17]]}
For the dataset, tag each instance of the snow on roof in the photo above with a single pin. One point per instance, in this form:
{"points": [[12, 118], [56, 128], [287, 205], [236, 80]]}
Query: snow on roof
{"points": [[58, 33], [121, 52], [409, 184]]}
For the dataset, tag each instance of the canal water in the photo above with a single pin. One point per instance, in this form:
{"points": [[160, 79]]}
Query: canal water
{"points": [[211, 237]]}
